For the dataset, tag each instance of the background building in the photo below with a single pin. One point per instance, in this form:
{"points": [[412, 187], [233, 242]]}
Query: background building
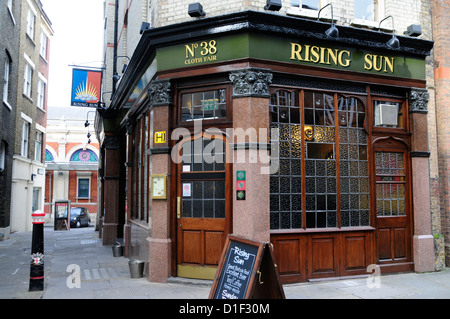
{"points": [[28, 180], [171, 54], [71, 158], [27, 31], [9, 64]]}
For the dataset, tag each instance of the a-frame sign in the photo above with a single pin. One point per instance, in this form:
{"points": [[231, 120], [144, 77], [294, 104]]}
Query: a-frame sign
{"points": [[247, 270]]}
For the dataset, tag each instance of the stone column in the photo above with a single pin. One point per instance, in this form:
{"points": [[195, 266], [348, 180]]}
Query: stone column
{"points": [[111, 189], [251, 152], [160, 244], [423, 242]]}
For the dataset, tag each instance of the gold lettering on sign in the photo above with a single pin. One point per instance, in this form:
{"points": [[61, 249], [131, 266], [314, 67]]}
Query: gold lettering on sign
{"points": [[320, 55], [204, 51], [378, 63], [338, 57]]}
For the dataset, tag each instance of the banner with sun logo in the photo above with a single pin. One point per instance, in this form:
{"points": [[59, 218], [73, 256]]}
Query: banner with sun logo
{"points": [[86, 87]]}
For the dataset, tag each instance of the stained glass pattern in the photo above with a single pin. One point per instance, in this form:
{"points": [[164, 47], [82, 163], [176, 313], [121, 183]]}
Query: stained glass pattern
{"points": [[84, 156]]}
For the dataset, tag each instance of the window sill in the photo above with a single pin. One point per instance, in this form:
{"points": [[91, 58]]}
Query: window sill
{"points": [[7, 105], [305, 13], [321, 230], [31, 39], [27, 97], [12, 16], [368, 24]]}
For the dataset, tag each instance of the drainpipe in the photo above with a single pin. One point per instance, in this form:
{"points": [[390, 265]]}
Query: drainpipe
{"points": [[116, 17]]}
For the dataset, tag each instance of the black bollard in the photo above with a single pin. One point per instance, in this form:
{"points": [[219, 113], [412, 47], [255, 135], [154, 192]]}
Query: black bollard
{"points": [[37, 252]]}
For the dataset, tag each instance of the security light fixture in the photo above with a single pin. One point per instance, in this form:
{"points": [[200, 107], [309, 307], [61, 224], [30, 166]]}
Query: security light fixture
{"points": [[144, 26], [196, 10], [393, 43], [331, 32], [273, 5], [414, 30]]}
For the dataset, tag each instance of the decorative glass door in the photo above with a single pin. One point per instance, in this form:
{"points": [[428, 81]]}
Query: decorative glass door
{"points": [[202, 207]]}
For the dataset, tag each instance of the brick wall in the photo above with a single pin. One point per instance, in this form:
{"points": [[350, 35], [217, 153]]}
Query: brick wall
{"points": [[440, 10]]}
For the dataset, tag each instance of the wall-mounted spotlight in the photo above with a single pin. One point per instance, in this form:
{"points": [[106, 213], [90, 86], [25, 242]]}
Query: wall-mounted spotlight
{"points": [[393, 43], [331, 32], [273, 5], [196, 10], [414, 30], [144, 26]]}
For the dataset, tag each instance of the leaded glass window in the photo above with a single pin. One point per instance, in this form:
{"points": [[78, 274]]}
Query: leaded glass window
{"points": [[390, 180], [323, 178], [204, 105], [203, 178]]}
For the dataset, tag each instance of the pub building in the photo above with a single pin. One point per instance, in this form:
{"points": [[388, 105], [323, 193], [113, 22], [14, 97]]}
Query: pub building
{"points": [[271, 128]]}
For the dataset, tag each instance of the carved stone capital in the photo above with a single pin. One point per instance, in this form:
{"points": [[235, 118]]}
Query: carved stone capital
{"points": [[160, 93], [418, 100], [111, 142], [251, 82]]}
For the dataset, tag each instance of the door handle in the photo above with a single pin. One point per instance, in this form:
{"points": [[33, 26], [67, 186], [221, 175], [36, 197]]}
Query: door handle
{"points": [[178, 207]]}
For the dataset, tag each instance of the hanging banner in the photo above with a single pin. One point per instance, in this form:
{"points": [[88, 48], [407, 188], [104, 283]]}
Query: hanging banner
{"points": [[86, 87]]}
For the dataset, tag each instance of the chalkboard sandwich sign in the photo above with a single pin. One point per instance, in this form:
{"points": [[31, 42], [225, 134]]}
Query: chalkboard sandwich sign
{"points": [[247, 270]]}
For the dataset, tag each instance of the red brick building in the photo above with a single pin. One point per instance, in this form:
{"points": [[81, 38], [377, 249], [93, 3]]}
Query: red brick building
{"points": [[72, 161], [440, 12]]}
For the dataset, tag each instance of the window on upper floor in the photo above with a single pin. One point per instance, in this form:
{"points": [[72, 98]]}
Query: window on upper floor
{"points": [[27, 80], [38, 146], [306, 4], [6, 79], [368, 12], [9, 5], [365, 9], [31, 21], [25, 139], [2, 156], [43, 49], [41, 93]]}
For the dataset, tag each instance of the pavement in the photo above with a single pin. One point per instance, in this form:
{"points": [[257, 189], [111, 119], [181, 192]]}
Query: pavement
{"points": [[78, 266]]}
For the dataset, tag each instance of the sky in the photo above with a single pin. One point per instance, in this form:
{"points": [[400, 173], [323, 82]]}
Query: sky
{"points": [[77, 40]]}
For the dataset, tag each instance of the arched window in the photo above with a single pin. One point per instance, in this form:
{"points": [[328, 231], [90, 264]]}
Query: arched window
{"points": [[84, 156], [49, 156]]}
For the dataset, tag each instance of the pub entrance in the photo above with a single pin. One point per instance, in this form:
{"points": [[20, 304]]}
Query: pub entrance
{"points": [[203, 211]]}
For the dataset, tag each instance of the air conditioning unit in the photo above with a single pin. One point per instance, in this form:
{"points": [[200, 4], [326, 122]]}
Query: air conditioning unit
{"points": [[386, 114]]}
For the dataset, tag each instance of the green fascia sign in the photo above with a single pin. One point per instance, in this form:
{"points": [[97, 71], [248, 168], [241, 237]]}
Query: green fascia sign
{"points": [[295, 51]]}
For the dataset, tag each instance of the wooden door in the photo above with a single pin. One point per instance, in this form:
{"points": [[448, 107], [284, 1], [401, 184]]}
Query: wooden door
{"points": [[393, 212], [203, 206]]}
